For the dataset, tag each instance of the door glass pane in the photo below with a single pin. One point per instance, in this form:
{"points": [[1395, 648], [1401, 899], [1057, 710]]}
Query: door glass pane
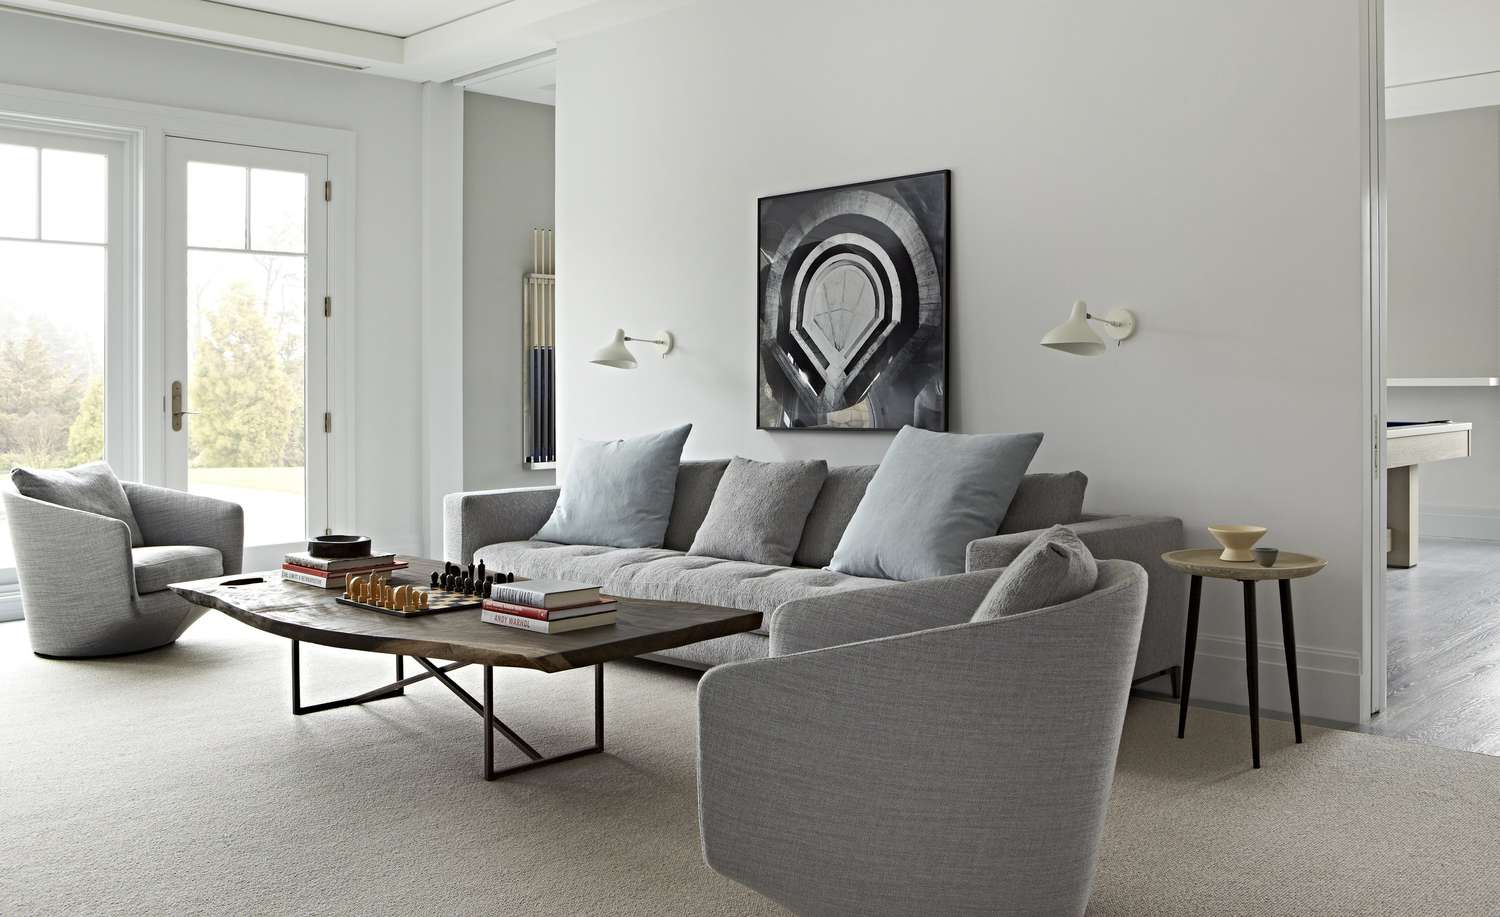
{"points": [[246, 317], [53, 301], [215, 205], [75, 196], [18, 185], [278, 211]]}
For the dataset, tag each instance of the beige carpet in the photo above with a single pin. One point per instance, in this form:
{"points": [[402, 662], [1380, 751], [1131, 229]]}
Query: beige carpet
{"points": [[179, 782]]}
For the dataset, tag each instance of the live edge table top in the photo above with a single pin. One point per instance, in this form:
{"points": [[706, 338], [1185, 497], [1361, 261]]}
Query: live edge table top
{"points": [[311, 614]]}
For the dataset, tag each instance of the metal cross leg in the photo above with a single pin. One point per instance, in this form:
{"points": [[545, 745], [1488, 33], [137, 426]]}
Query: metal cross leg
{"points": [[486, 709]]}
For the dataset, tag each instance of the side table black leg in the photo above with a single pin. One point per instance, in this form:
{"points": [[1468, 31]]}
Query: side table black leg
{"points": [[1189, 648], [1252, 671], [489, 717], [1290, 640]]}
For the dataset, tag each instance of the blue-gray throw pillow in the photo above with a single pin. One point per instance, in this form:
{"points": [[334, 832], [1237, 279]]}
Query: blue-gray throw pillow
{"points": [[618, 493], [932, 495]]}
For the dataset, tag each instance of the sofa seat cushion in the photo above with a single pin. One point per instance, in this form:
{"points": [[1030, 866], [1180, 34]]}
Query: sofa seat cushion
{"points": [[159, 566], [730, 583], [586, 563]]}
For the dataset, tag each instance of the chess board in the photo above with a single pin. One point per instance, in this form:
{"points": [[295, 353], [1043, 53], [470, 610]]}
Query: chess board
{"points": [[438, 601]]}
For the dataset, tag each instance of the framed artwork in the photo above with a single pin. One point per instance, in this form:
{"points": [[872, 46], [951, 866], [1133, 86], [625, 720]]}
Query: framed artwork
{"points": [[853, 306]]}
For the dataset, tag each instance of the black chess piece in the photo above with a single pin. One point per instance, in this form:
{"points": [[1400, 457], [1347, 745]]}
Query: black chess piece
{"points": [[480, 574], [510, 577], [434, 579]]}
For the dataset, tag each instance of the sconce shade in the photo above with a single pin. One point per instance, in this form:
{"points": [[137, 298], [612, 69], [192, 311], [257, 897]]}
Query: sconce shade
{"points": [[615, 353], [1075, 335]]}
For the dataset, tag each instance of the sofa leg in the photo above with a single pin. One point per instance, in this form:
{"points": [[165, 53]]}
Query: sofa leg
{"points": [[1172, 672]]}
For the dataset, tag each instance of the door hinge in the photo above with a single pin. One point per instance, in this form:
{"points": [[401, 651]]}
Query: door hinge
{"points": [[328, 190], [328, 307], [327, 421]]}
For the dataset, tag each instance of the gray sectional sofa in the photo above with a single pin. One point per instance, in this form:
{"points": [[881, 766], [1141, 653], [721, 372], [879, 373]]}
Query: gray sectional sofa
{"points": [[496, 526]]}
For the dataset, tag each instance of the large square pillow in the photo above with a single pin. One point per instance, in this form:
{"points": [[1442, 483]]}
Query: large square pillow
{"points": [[759, 509], [92, 488], [932, 495], [1056, 567], [618, 493]]}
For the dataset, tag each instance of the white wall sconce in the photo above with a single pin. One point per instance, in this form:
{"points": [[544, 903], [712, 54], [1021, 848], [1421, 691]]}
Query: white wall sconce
{"points": [[616, 354], [1077, 336]]}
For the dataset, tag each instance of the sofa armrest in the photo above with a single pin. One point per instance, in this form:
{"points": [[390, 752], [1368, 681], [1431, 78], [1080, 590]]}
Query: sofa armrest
{"points": [[483, 517], [1106, 536], [169, 517], [881, 611], [68, 560]]}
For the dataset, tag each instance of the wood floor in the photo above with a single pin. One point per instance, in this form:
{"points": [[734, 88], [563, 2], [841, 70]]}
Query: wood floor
{"points": [[1443, 641]]}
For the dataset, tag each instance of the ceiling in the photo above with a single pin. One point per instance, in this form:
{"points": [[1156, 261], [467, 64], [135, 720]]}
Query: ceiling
{"points": [[1441, 55], [502, 47]]}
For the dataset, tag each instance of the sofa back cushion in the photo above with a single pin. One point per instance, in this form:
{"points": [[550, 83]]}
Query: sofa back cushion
{"points": [[1045, 500], [759, 511], [831, 513], [696, 484], [92, 488]]}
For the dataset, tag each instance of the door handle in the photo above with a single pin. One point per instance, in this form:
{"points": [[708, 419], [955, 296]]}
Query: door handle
{"points": [[177, 411]]}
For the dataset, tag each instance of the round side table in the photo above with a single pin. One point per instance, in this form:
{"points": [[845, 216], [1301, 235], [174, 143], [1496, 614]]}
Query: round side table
{"points": [[1201, 562]]}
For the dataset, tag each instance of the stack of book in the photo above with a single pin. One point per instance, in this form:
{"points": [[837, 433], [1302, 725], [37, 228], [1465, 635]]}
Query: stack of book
{"points": [[548, 606], [302, 567]]}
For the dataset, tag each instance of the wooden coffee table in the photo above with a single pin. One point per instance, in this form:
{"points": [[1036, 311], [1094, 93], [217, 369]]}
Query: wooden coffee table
{"points": [[308, 613]]}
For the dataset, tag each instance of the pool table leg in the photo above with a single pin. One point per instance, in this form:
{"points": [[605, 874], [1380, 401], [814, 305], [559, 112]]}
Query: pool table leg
{"points": [[1401, 515]]}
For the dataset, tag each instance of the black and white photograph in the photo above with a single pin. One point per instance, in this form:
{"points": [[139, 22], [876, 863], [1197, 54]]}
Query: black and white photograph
{"points": [[853, 306]]}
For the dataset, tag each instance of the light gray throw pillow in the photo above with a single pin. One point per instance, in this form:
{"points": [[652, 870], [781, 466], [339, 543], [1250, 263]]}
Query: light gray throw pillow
{"points": [[932, 495], [759, 509], [1056, 567], [92, 488], [618, 493]]}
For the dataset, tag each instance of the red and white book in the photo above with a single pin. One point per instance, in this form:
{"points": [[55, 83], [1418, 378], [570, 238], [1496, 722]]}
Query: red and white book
{"points": [[547, 627], [551, 614], [294, 573]]}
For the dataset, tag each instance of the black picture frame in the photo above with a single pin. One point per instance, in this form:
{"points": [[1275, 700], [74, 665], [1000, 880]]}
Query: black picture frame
{"points": [[852, 304]]}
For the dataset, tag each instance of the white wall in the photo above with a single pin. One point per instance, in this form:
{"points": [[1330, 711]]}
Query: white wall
{"points": [[1443, 176], [508, 191], [386, 115], [1197, 162]]}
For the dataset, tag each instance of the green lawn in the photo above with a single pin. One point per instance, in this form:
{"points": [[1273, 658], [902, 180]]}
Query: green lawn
{"points": [[279, 480]]}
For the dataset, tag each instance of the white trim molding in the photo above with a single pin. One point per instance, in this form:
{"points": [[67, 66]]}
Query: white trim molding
{"points": [[1323, 676], [1472, 523]]}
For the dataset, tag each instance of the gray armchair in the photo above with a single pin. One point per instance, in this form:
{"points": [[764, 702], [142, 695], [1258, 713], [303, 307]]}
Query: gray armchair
{"points": [[86, 592], [942, 767]]}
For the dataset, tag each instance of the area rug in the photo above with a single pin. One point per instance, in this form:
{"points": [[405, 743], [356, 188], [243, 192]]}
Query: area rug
{"points": [[179, 782]]}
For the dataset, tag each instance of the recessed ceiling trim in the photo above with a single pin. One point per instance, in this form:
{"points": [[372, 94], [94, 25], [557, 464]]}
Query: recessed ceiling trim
{"points": [[529, 62], [178, 37]]}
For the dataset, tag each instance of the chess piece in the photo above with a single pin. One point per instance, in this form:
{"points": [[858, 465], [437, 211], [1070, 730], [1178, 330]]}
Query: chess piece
{"points": [[421, 600], [434, 579], [480, 574], [398, 597]]}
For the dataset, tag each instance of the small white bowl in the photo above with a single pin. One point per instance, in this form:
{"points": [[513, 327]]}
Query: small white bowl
{"points": [[1237, 541]]}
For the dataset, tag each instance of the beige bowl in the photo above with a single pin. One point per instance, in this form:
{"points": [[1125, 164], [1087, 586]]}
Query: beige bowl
{"points": [[1237, 540]]}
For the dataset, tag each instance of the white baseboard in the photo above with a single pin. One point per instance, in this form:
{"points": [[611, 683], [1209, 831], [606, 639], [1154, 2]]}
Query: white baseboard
{"points": [[1327, 680], [1475, 523], [10, 603]]}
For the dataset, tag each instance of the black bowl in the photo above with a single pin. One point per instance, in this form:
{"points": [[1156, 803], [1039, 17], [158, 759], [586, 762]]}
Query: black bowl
{"points": [[337, 547]]}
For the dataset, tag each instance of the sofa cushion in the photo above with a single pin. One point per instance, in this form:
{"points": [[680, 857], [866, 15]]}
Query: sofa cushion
{"points": [[932, 495], [619, 492], [731, 583], [91, 488], [160, 566], [1056, 567], [831, 513], [696, 483], [585, 563], [1045, 500], [759, 510]]}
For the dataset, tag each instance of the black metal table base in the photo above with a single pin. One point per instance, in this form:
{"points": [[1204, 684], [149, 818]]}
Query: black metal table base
{"points": [[1252, 662], [485, 709]]}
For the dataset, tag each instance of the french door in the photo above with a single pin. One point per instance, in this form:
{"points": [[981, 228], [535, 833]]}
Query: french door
{"points": [[246, 340]]}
